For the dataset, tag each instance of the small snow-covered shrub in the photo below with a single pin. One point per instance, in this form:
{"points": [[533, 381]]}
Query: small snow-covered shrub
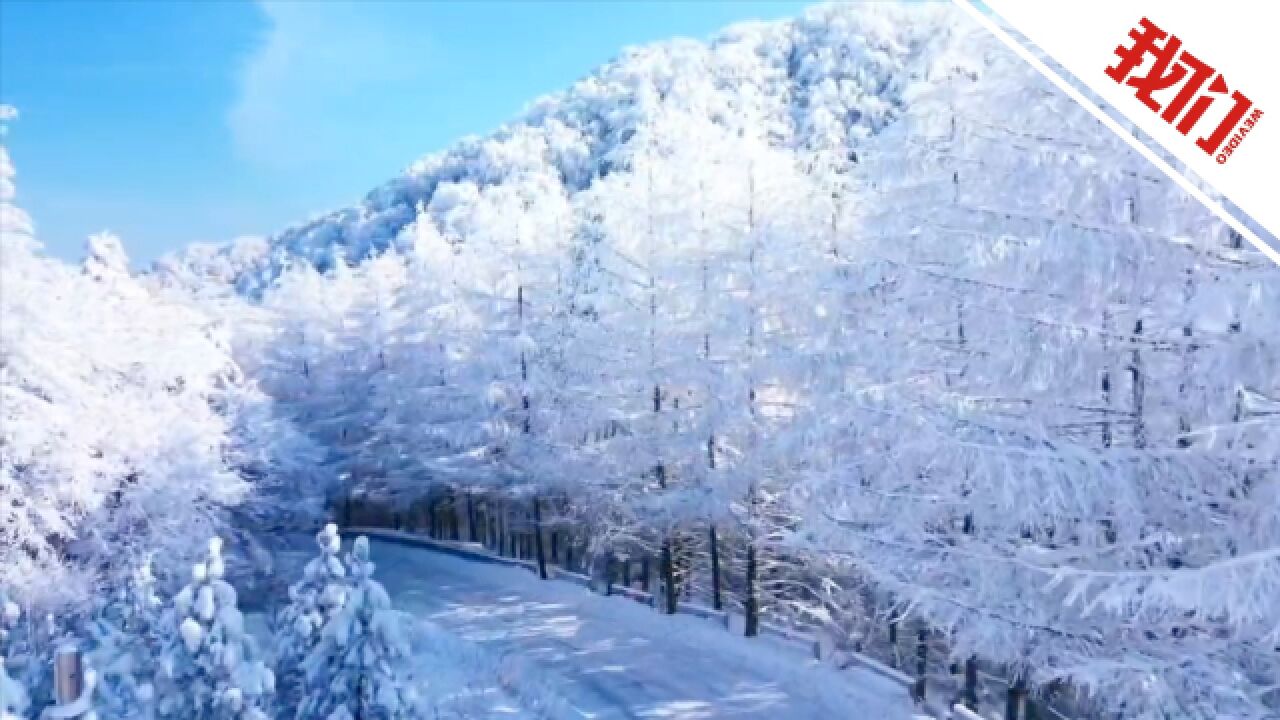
{"points": [[209, 667], [125, 647], [13, 696], [358, 668], [313, 602]]}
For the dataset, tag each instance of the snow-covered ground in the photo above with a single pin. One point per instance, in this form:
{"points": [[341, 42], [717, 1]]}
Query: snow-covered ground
{"points": [[557, 650]]}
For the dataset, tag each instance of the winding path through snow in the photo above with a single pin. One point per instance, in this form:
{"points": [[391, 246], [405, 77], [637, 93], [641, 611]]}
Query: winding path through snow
{"points": [[607, 657]]}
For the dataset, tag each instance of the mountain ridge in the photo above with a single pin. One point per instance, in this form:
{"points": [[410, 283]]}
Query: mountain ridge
{"points": [[833, 76]]}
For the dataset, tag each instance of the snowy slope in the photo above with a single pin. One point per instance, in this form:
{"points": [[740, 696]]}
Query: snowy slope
{"points": [[830, 78]]}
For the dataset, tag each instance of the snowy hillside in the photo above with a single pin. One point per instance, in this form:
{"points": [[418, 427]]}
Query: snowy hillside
{"points": [[826, 80]]}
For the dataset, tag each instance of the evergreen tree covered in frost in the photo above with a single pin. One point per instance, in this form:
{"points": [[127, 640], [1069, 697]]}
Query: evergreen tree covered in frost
{"points": [[313, 602], [13, 696], [209, 669], [356, 671], [124, 634]]}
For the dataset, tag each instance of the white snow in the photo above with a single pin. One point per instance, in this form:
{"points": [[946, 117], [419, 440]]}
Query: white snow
{"points": [[192, 634]]}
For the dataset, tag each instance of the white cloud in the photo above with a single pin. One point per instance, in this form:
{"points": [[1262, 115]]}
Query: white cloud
{"points": [[315, 74], [8, 113]]}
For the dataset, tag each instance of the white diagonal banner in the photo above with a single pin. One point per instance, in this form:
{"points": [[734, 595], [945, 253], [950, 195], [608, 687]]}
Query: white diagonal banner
{"points": [[1198, 78]]}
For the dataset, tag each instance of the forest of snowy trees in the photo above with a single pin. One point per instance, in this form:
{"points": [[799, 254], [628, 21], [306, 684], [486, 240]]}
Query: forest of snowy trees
{"points": [[844, 319]]}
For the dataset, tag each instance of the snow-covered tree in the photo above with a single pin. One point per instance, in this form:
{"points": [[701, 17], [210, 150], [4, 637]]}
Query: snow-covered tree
{"points": [[13, 696], [125, 641], [358, 669], [313, 602], [441, 412], [105, 258], [86, 495], [208, 666], [1022, 455]]}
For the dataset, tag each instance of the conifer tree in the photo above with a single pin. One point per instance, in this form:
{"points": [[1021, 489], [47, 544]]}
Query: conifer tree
{"points": [[209, 667], [13, 696], [356, 672], [124, 635], [313, 602]]}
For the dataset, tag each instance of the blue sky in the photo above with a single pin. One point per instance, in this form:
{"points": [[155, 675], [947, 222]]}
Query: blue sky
{"points": [[170, 123]]}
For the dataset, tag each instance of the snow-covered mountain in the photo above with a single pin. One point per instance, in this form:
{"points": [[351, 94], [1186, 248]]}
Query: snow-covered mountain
{"points": [[831, 77]]}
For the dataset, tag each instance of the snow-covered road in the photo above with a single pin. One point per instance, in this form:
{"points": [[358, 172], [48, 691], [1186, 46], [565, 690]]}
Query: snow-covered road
{"points": [[606, 657]]}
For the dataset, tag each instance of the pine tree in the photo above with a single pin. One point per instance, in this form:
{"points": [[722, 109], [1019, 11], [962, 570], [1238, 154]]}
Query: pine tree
{"points": [[313, 602], [13, 696], [209, 669], [124, 635], [356, 671]]}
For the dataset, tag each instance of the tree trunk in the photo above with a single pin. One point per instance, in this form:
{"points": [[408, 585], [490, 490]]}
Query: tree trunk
{"points": [[360, 712], [893, 643], [472, 533], [971, 683], [1139, 391], [537, 538], [668, 578], [751, 608], [715, 569], [1016, 701], [456, 516], [922, 650], [506, 543]]}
